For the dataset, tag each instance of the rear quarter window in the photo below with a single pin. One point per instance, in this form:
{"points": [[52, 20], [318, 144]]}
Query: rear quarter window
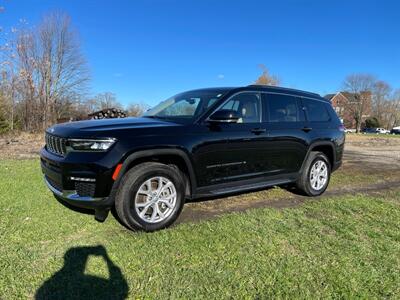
{"points": [[316, 111]]}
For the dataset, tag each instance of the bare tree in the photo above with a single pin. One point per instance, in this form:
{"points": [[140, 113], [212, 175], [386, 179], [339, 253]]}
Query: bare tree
{"points": [[136, 109], [266, 78], [8, 78], [380, 95], [360, 86], [392, 110], [62, 67], [106, 100], [51, 68], [26, 67]]}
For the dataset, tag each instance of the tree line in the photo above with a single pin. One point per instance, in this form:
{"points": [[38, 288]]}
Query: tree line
{"points": [[45, 77], [376, 103]]}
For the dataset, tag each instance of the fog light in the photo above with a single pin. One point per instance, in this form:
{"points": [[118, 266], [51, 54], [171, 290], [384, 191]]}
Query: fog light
{"points": [[83, 179]]}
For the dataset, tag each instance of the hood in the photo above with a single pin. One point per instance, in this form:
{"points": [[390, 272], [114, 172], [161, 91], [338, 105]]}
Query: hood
{"points": [[104, 126]]}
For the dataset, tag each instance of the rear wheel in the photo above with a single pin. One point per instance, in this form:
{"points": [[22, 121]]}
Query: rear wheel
{"points": [[151, 196], [316, 175]]}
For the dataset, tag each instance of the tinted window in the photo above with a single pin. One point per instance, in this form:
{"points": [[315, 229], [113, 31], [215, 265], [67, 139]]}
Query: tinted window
{"points": [[247, 105], [186, 106], [211, 102], [316, 111], [282, 108]]}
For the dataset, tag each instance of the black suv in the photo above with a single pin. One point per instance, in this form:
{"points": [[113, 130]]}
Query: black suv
{"points": [[201, 143]]}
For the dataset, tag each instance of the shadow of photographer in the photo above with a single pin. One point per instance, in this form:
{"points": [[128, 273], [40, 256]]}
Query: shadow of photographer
{"points": [[72, 283]]}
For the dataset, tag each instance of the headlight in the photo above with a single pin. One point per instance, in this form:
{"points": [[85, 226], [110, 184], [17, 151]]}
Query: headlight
{"points": [[90, 144]]}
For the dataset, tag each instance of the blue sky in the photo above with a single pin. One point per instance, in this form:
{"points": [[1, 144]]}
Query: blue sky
{"points": [[145, 51]]}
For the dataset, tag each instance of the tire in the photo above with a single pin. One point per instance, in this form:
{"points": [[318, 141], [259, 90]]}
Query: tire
{"points": [[306, 184], [151, 208]]}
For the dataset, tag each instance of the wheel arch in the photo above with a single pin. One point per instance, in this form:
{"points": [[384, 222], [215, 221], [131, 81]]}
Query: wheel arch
{"points": [[168, 156], [325, 147]]}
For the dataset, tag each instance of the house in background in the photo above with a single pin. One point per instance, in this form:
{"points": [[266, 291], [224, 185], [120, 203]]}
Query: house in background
{"points": [[342, 103]]}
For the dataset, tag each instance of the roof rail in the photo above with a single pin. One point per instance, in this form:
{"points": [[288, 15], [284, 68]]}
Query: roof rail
{"points": [[283, 88]]}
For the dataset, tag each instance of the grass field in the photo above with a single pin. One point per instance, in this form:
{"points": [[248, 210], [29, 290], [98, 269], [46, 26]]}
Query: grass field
{"points": [[341, 247], [372, 135]]}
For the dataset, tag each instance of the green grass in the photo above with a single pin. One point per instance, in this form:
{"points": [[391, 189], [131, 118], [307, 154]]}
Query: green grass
{"points": [[353, 178], [344, 247], [375, 135]]}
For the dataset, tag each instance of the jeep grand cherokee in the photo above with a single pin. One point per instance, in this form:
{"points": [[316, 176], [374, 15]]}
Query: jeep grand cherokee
{"points": [[201, 143]]}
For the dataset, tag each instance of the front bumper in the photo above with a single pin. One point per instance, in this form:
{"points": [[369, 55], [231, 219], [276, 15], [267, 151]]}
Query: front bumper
{"points": [[72, 195], [59, 173]]}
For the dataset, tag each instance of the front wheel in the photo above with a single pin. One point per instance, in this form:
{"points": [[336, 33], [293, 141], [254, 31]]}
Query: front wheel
{"points": [[151, 196], [316, 174]]}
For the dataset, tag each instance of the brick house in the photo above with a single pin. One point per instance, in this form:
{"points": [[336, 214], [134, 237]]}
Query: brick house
{"points": [[341, 102]]}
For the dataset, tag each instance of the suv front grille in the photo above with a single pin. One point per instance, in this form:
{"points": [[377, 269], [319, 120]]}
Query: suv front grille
{"points": [[56, 144]]}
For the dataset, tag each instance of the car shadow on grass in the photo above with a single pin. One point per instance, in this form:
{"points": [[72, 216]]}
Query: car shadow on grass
{"points": [[71, 282]]}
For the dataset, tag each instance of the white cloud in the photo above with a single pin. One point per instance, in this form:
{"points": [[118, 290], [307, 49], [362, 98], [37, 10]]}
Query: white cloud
{"points": [[221, 76]]}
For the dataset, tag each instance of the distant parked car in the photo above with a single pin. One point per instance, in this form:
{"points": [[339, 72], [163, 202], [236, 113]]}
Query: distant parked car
{"points": [[369, 130], [349, 130], [376, 130], [395, 131], [382, 131]]}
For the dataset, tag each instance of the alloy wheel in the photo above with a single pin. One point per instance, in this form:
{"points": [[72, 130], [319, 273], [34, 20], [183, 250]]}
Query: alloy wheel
{"points": [[155, 199], [318, 175]]}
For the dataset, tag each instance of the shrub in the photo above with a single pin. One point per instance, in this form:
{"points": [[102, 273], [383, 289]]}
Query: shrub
{"points": [[372, 123]]}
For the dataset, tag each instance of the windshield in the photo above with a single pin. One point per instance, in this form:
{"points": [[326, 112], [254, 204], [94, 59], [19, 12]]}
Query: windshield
{"points": [[186, 106]]}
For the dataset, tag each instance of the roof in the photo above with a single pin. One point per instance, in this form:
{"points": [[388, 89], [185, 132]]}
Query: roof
{"points": [[269, 88], [329, 96], [351, 97], [280, 89]]}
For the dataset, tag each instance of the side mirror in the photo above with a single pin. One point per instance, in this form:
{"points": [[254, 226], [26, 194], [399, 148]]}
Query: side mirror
{"points": [[224, 116]]}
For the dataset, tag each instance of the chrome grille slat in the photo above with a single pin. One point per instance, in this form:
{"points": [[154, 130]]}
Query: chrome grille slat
{"points": [[55, 144], [52, 144], [58, 150]]}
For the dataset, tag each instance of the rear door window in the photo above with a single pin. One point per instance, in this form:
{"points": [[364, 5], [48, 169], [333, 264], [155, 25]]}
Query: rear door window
{"points": [[316, 110], [282, 108]]}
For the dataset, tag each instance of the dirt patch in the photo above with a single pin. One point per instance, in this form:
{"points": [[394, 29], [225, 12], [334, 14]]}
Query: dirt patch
{"points": [[193, 212], [369, 140], [21, 146]]}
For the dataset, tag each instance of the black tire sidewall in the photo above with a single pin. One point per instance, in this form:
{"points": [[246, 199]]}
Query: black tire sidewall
{"points": [[310, 190], [132, 184]]}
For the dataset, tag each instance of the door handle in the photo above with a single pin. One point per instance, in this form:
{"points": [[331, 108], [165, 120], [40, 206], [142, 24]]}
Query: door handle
{"points": [[258, 130], [306, 129]]}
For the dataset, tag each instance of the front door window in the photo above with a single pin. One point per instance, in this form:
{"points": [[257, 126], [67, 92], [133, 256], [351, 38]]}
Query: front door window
{"points": [[247, 105]]}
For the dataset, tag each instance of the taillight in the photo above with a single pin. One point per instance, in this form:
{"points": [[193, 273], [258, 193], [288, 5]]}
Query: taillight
{"points": [[341, 127]]}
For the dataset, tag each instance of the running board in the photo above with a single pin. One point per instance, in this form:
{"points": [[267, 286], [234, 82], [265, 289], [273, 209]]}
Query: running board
{"points": [[248, 187]]}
